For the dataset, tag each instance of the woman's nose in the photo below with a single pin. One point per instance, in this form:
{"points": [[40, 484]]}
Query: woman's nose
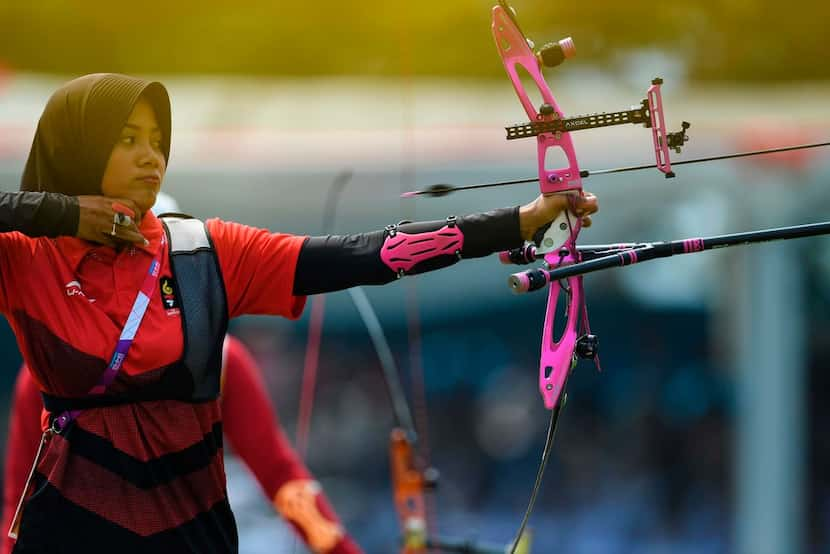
{"points": [[147, 155]]}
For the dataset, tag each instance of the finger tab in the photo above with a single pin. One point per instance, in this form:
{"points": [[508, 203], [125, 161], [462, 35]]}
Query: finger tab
{"points": [[118, 207]]}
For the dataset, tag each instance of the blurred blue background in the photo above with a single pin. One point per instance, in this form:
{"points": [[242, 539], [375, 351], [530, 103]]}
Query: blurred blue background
{"points": [[703, 433]]}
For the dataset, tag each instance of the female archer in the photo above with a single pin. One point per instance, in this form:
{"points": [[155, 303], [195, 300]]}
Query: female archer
{"points": [[131, 456]]}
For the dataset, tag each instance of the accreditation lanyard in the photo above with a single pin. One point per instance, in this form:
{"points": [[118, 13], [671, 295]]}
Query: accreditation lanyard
{"points": [[142, 300], [125, 341]]}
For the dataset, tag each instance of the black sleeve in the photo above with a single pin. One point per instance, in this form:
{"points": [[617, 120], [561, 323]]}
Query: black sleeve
{"points": [[39, 214], [331, 263]]}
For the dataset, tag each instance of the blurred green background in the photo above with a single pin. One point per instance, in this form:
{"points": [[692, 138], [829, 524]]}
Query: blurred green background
{"points": [[746, 40]]}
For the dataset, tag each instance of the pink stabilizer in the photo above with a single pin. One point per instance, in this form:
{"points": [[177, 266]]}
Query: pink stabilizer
{"points": [[402, 251], [520, 282], [504, 257], [658, 128], [568, 47]]}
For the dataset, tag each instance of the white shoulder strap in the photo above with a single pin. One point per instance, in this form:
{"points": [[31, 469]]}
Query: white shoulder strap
{"points": [[187, 235]]}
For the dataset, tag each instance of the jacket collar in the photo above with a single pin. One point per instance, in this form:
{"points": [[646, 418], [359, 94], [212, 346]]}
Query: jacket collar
{"points": [[75, 249]]}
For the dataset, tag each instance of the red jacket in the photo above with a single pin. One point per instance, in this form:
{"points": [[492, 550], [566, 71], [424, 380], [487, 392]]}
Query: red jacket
{"points": [[145, 476], [251, 428]]}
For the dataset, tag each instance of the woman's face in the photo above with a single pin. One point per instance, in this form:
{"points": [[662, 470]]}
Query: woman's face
{"points": [[136, 166]]}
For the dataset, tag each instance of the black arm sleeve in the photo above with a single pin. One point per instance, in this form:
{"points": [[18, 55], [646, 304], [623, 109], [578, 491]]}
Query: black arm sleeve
{"points": [[39, 214], [331, 263]]}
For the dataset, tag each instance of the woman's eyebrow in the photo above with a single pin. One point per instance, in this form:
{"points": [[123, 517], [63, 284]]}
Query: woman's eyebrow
{"points": [[139, 128]]}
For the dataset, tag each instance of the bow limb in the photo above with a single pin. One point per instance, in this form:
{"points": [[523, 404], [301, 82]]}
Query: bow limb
{"points": [[409, 480]]}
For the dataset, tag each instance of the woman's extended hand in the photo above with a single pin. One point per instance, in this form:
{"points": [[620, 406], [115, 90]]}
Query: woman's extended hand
{"points": [[547, 207], [98, 221]]}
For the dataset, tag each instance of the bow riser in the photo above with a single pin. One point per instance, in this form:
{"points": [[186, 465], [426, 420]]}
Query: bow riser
{"points": [[557, 357]]}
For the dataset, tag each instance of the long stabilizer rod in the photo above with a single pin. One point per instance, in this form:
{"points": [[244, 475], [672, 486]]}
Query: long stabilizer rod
{"points": [[608, 256]]}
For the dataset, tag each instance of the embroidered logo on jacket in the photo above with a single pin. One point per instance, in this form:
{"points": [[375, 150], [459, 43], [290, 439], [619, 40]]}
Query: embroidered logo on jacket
{"points": [[73, 288], [168, 295]]}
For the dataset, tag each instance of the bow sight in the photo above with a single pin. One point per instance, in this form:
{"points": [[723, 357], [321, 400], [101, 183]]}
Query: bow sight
{"points": [[649, 114]]}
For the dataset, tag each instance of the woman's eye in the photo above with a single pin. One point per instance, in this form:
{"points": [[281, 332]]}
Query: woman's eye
{"points": [[128, 140], [156, 144]]}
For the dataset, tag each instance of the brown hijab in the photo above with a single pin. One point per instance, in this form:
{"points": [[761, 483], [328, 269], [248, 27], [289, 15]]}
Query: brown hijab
{"points": [[79, 127]]}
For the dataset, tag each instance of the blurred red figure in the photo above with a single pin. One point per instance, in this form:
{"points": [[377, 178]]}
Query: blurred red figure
{"points": [[263, 446]]}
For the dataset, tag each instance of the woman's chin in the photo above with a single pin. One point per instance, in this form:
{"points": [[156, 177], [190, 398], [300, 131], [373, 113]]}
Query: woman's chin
{"points": [[145, 201]]}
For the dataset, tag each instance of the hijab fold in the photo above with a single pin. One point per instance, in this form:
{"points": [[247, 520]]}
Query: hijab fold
{"points": [[79, 127]]}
